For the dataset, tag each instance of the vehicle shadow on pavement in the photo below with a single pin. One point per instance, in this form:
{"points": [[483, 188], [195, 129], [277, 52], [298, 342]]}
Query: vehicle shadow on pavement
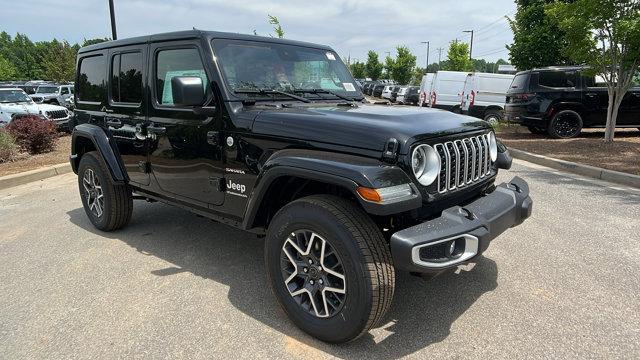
{"points": [[422, 312]]}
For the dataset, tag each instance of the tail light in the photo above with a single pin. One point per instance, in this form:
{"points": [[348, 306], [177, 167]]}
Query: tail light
{"points": [[521, 97], [433, 98], [472, 98]]}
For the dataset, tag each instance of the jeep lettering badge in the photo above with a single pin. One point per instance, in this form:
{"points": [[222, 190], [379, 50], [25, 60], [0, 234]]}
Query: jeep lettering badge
{"points": [[314, 178]]}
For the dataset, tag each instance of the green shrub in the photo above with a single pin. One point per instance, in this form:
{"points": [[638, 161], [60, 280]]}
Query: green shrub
{"points": [[34, 134], [8, 147]]}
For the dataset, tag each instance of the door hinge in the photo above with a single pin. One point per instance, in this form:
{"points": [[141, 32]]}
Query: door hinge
{"points": [[217, 183], [144, 166]]}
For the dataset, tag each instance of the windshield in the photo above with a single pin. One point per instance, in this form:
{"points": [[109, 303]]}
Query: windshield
{"points": [[11, 96], [250, 65], [47, 89]]}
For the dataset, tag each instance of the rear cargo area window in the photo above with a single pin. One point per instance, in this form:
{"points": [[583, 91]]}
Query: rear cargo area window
{"points": [[556, 79], [176, 62], [92, 79], [126, 78]]}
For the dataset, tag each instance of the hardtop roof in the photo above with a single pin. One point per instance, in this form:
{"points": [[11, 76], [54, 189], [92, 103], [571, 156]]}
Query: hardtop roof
{"points": [[194, 34]]}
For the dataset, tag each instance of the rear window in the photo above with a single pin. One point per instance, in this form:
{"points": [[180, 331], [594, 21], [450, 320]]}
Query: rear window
{"points": [[91, 79], [556, 79], [519, 82], [126, 78]]}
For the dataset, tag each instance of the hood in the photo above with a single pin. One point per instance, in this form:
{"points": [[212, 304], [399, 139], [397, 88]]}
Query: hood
{"points": [[365, 126], [49, 107], [20, 108], [44, 95]]}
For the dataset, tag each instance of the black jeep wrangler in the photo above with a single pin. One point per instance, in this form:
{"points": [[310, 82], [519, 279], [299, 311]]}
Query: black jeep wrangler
{"points": [[273, 136]]}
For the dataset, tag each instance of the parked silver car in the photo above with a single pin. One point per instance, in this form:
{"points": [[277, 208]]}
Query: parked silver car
{"points": [[15, 102]]}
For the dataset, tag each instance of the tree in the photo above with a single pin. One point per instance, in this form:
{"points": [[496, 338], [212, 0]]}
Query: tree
{"points": [[605, 35], [7, 70], [458, 57], [276, 26], [537, 39], [358, 70], [388, 67], [373, 67], [403, 65], [59, 61]]}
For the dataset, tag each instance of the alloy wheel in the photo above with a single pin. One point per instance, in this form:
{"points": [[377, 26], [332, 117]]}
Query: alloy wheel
{"points": [[313, 273], [93, 192], [567, 125]]}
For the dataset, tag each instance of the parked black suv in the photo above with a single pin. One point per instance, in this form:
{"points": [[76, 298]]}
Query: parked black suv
{"points": [[561, 101], [271, 136]]}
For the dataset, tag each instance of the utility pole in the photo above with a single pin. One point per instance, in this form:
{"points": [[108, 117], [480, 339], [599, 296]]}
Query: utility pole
{"points": [[426, 42], [114, 35], [471, 45], [439, 56]]}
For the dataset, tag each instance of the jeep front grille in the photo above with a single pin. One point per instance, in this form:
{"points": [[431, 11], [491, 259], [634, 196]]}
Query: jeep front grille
{"points": [[463, 162], [57, 114]]}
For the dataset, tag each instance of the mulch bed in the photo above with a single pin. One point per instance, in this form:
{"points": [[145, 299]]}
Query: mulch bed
{"points": [[588, 148], [28, 162]]}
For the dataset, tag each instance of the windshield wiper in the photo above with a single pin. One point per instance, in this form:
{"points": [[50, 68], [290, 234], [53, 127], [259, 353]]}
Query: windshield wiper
{"points": [[272, 92], [324, 91]]}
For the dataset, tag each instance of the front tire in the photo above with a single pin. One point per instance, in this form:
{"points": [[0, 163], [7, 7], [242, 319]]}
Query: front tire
{"points": [[348, 284], [107, 205], [493, 117], [565, 124]]}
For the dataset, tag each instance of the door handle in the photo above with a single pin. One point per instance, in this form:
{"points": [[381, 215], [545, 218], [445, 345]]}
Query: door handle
{"points": [[591, 94], [113, 122], [156, 130]]}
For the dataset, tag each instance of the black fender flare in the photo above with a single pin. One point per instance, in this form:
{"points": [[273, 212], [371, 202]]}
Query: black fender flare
{"points": [[346, 171], [102, 144]]}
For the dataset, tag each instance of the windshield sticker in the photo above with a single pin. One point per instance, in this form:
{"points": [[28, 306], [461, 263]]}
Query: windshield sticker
{"points": [[330, 56], [349, 86]]}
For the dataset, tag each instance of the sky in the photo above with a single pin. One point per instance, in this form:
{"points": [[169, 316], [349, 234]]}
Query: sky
{"points": [[350, 27]]}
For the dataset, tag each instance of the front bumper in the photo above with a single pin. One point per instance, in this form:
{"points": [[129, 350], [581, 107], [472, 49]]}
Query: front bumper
{"points": [[468, 229]]}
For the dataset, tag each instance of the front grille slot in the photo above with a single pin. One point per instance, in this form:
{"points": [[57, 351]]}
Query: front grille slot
{"points": [[58, 114], [463, 162]]}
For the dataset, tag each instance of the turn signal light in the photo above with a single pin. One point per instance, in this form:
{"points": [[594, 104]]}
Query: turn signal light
{"points": [[369, 194], [386, 195]]}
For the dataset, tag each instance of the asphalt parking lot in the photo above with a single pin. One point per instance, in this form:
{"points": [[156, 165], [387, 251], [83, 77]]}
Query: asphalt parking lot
{"points": [[175, 285]]}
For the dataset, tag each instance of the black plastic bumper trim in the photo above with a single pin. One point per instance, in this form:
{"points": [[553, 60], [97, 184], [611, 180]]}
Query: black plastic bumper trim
{"points": [[485, 218]]}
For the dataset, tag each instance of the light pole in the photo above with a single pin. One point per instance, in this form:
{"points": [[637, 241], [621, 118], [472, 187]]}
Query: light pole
{"points": [[425, 69], [470, 46], [114, 35]]}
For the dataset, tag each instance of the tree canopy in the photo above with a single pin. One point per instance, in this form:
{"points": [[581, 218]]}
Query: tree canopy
{"points": [[458, 57], [373, 66], [358, 70]]}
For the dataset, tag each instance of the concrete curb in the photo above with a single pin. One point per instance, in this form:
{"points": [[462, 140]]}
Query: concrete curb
{"points": [[585, 170], [33, 175]]}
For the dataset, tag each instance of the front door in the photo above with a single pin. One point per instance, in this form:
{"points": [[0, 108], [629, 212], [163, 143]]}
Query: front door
{"points": [[125, 114], [629, 113], [186, 156]]}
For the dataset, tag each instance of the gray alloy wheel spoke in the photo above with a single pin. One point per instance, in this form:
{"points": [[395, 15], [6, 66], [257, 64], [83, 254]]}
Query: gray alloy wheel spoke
{"points": [[93, 192], [313, 273]]}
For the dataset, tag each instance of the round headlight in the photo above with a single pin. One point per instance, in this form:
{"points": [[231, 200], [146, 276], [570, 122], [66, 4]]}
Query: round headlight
{"points": [[425, 164], [493, 146]]}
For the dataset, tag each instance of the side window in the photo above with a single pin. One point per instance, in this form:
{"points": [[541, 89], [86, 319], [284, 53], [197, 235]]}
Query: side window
{"points": [[556, 79], [64, 91], [126, 78], [91, 79], [176, 62]]}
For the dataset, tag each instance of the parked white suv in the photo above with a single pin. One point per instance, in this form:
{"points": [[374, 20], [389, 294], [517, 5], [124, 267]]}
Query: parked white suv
{"points": [[15, 102], [484, 95], [446, 90], [52, 94], [386, 92]]}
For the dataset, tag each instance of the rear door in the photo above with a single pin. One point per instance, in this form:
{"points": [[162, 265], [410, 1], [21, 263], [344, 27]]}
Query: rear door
{"points": [[629, 114], [595, 99], [126, 110], [186, 157]]}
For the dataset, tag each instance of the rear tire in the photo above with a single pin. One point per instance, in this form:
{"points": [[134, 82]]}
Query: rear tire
{"points": [[107, 205], [493, 117], [360, 249], [565, 124]]}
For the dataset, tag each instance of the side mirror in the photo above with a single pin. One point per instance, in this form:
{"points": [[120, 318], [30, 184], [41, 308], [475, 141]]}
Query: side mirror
{"points": [[187, 91]]}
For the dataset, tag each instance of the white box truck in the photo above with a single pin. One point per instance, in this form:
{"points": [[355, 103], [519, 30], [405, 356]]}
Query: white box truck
{"points": [[484, 95], [446, 91], [425, 89]]}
